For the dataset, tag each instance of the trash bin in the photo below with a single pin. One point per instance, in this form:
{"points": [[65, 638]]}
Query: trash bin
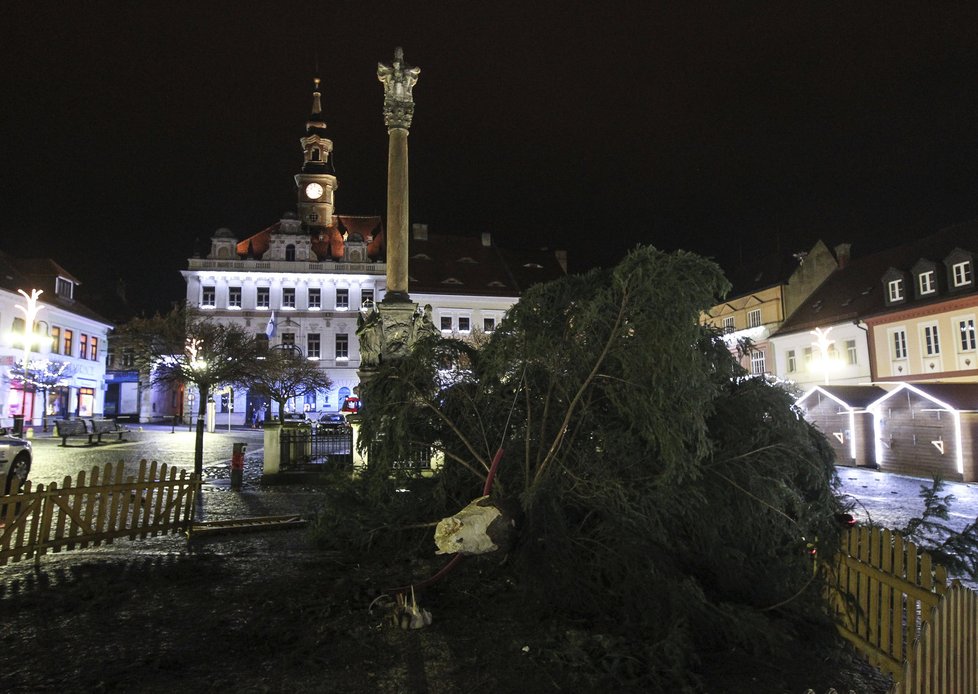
{"points": [[237, 464]]}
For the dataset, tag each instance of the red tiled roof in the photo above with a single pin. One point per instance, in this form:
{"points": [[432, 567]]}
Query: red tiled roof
{"points": [[331, 244]]}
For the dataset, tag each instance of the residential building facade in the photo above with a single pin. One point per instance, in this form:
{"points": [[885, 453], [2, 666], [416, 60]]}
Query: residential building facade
{"points": [[764, 293], [65, 348]]}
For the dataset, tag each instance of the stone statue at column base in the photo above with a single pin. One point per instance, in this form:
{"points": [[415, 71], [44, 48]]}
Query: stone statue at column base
{"points": [[389, 331]]}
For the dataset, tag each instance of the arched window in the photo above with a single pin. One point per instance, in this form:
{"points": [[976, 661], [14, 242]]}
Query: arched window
{"points": [[290, 252], [315, 154]]}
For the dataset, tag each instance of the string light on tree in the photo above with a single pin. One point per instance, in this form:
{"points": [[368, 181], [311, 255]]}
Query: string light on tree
{"points": [[826, 361], [30, 312]]}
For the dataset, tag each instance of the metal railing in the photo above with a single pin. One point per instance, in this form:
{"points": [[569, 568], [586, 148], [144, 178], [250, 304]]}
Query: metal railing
{"points": [[307, 449]]}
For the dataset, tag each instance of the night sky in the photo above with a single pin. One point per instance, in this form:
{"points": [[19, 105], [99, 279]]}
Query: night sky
{"points": [[129, 130]]}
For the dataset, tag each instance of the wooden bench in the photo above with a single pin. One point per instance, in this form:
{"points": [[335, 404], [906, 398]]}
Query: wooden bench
{"points": [[73, 428], [102, 427]]}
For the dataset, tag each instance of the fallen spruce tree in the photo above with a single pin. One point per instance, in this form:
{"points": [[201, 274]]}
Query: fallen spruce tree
{"points": [[655, 493]]}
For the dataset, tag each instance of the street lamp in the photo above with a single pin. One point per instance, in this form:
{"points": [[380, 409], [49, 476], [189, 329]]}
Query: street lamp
{"points": [[30, 314]]}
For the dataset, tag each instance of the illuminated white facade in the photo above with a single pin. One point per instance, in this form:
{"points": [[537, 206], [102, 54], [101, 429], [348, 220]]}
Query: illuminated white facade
{"points": [[67, 337]]}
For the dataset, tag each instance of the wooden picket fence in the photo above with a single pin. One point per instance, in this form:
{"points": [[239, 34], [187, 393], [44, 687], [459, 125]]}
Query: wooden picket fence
{"points": [[97, 508], [944, 657], [893, 603]]}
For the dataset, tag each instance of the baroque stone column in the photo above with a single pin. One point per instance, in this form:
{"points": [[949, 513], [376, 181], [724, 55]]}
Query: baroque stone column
{"points": [[399, 80]]}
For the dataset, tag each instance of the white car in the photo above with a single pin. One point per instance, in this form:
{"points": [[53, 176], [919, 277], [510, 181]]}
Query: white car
{"points": [[15, 458]]}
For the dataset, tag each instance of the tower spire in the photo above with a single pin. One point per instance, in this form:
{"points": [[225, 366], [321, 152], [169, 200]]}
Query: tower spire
{"points": [[316, 181]]}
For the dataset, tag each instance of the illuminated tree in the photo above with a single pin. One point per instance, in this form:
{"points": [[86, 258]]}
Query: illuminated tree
{"points": [[283, 374], [45, 375], [183, 348]]}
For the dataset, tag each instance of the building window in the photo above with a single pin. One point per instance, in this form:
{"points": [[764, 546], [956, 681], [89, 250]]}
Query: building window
{"points": [[757, 362], [128, 357], [895, 290], [65, 288], [342, 346], [86, 402], [961, 273], [728, 324], [967, 328], [792, 362], [366, 295], [446, 323], [288, 297], [488, 324], [312, 346], [899, 342], [262, 299], [809, 357], [926, 282], [932, 340], [290, 252], [234, 297], [93, 348], [342, 299], [315, 298], [288, 340], [464, 324], [851, 352], [207, 297], [754, 318], [55, 339], [83, 346], [69, 338]]}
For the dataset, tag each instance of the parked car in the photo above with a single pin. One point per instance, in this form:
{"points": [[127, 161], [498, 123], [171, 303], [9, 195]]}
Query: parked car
{"points": [[15, 458], [332, 423], [293, 418]]}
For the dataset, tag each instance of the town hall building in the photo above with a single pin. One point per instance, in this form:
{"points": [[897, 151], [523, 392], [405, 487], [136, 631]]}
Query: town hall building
{"points": [[302, 281]]}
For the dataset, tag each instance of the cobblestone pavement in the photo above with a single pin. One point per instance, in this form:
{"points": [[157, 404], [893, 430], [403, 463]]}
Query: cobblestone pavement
{"points": [[175, 447], [891, 500]]}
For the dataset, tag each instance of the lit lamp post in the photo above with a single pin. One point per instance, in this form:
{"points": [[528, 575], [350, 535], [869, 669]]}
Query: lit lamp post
{"points": [[30, 314]]}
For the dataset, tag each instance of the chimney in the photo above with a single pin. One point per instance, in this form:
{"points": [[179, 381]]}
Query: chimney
{"points": [[562, 259], [842, 254], [486, 239], [419, 232]]}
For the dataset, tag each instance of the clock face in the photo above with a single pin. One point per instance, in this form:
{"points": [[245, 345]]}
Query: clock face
{"points": [[314, 191]]}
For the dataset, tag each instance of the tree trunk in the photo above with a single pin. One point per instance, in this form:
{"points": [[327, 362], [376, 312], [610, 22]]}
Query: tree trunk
{"points": [[199, 439], [484, 526]]}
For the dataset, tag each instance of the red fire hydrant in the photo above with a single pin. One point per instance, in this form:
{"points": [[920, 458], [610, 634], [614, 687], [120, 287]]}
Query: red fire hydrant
{"points": [[237, 465]]}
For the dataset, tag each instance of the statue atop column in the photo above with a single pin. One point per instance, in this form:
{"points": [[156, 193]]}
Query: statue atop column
{"points": [[399, 80]]}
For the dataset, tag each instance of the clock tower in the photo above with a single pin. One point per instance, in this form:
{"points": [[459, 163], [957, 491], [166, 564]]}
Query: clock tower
{"points": [[317, 180]]}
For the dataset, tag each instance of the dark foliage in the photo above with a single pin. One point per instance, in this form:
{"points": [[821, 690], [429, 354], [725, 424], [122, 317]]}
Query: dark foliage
{"points": [[956, 550], [668, 500]]}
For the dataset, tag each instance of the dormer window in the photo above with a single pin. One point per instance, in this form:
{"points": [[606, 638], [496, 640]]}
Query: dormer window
{"points": [[961, 273], [64, 288], [926, 282], [290, 252], [894, 290]]}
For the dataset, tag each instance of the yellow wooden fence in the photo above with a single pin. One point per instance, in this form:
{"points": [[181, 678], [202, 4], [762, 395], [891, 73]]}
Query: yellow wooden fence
{"points": [[94, 509], [945, 657], [893, 603]]}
